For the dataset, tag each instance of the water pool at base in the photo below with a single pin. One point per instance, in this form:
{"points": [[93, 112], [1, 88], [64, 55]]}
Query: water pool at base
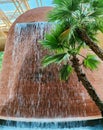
{"points": [[95, 124], [80, 128]]}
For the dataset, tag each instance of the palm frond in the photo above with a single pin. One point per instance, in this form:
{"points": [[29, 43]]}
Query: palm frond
{"points": [[59, 14], [70, 4], [64, 35], [49, 59], [63, 9], [97, 13], [51, 42], [91, 62], [97, 3], [65, 72], [99, 22], [54, 40]]}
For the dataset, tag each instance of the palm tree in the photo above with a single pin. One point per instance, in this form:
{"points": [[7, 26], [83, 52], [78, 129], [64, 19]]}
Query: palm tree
{"points": [[76, 24]]}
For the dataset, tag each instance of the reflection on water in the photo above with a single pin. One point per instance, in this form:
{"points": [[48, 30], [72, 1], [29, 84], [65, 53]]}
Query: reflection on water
{"points": [[97, 127], [96, 124]]}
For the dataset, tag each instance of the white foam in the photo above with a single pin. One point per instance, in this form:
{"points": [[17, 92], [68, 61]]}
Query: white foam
{"points": [[50, 119]]}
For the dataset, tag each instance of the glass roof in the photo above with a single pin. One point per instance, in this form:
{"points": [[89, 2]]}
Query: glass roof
{"points": [[11, 9]]}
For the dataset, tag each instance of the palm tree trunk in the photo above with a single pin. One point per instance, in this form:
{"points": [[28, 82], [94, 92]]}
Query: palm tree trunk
{"points": [[94, 47], [90, 89]]}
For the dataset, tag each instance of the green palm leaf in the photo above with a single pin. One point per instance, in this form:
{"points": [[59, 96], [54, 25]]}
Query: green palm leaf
{"points": [[91, 62], [99, 22], [97, 3], [56, 39], [51, 42], [54, 59], [58, 14], [63, 9], [65, 72], [64, 35]]}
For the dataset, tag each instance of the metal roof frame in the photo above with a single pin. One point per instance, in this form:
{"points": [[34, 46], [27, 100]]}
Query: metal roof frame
{"points": [[8, 17]]}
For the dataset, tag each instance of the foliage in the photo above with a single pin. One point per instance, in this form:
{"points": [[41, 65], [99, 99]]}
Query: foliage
{"points": [[65, 72], [53, 41], [86, 14], [63, 40], [1, 58], [91, 62], [54, 59]]}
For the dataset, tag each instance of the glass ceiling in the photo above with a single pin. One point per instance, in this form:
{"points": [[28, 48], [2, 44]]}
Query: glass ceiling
{"points": [[8, 5], [11, 9]]}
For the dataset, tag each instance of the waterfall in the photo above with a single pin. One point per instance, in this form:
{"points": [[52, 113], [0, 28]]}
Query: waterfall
{"points": [[37, 92]]}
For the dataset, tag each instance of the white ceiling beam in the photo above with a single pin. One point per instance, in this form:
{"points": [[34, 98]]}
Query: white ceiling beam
{"points": [[20, 5], [5, 18], [17, 7], [26, 4]]}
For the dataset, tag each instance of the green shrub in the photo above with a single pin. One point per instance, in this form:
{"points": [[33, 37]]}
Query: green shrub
{"points": [[1, 58]]}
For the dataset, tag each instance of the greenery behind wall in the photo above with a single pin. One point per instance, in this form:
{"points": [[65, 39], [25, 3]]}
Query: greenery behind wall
{"points": [[1, 58]]}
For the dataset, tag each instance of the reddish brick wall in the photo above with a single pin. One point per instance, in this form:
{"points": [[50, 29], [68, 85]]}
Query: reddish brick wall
{"points": [[56, 98]]}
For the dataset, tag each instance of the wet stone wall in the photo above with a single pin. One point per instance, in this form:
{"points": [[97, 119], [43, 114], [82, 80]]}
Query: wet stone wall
{"points": [[34, 91]]}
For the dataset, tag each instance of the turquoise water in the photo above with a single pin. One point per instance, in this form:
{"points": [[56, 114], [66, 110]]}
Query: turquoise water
{"points": [[73, 125], [98, 127]]}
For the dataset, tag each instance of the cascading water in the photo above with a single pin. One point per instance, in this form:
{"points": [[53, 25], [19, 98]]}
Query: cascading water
{"points": [[37, 92]]}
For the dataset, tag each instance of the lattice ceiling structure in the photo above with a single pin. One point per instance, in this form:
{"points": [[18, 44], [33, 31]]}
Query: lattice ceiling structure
{"points": [[11, 9]]}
